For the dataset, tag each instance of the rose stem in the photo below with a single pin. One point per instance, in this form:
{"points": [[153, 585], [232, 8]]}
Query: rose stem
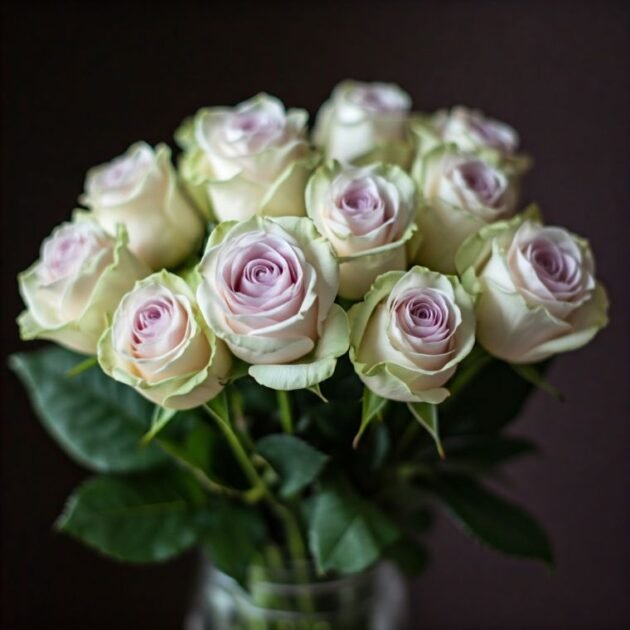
{"points": [[284, 405], [249, 496], [295, 542]]}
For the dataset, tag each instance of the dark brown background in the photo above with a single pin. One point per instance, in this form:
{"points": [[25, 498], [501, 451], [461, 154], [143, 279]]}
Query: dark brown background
{"points": [[80, 83]]}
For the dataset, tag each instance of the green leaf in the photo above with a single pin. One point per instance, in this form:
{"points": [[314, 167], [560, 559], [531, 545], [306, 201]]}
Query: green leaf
{"points": [[492, 520], [427, 415], [145, 518], [346, 532], [96, 420], [296, 462], [233, 536], [533, 376], [372, 405]]}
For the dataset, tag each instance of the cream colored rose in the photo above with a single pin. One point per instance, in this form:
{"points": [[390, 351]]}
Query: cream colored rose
{"points": [[160, 345], [267, 287], [409, 334], [368, 215], [139, 189], [78, 280], [460, 194], [537, 293], [470, 130], [251, 159], [365, 122]]}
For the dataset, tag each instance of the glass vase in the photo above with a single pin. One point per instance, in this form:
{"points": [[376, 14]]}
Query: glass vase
{"points": [[296, 599]]}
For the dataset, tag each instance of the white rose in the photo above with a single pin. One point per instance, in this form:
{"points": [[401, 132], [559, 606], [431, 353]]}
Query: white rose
{"points": [[409, 334], [160, 345], [364, 122], [537, 293], [268, 288], [78, 280], [139, 189], [460, 194], [251, 159], [368, 215]]}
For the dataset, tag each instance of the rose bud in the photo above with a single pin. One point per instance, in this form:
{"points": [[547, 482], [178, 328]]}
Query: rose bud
{"points": [[79, 278], [159, 344], [368, 215], [251, 159], [364, 123], [268, 289], [536, 290], [460, 194], [409, 334], [139, 189]]}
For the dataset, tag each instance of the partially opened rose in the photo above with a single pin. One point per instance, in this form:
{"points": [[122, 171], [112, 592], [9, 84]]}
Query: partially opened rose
{"points": [[470, 130], [368, 214], [78, 280], [268, 289], [460, 194], [365, 122], [250, 159], [537, 293], [409, 334], [139, 189], [159, 344]]}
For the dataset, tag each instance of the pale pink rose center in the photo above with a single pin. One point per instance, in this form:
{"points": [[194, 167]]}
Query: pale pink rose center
{"points": [[261, 272], [488, 132], [425, 315], [362, 207], [487, 185], [159, 324], [255, 126], [66, 252], [558, 270], [124, 171]]}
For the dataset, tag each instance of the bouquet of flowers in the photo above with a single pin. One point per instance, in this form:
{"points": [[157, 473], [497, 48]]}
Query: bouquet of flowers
{"points": [[297, 343]]}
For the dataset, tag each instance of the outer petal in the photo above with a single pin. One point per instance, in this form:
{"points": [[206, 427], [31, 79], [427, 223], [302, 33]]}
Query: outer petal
{"points": [[314, 368], [82, 334]]}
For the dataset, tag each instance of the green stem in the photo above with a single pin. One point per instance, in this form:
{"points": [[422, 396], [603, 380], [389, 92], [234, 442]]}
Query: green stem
{"points": [[249, 496], [284, 406], [295, 542]]}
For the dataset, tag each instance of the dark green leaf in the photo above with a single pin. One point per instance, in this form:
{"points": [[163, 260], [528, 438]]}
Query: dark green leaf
{"points": [[296, 462], [233, 535], [96, 420], [492, 520], [145, 518], [346, 532], [427, 415]]}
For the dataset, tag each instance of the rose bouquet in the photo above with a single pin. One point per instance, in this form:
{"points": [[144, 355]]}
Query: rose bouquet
{"points": [[297, 345]]}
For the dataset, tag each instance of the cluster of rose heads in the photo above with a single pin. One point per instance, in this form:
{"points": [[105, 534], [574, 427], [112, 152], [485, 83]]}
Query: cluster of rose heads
{"points": [[318, 244]]}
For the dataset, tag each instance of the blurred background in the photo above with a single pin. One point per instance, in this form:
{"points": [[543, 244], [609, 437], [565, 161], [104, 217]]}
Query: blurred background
{"points": [[81, 82]]}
